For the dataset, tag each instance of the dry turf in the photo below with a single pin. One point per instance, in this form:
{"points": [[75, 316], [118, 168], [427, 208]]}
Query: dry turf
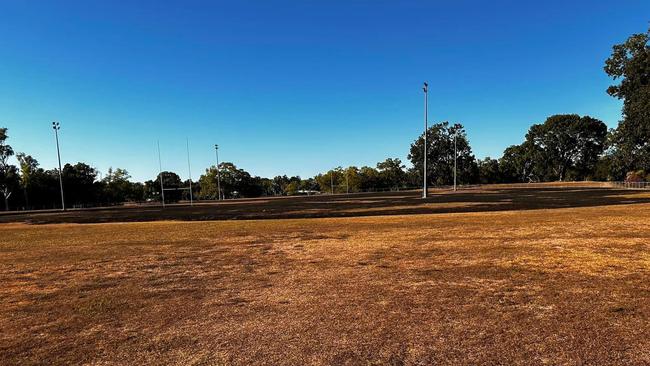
{"points": [[559, 285]]}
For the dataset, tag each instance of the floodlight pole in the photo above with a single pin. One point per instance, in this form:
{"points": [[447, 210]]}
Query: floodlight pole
{"points": [[332, 181], [455, 158], [426, 127], [216, 149], [57, 126], [189, 170], [162, 187]]}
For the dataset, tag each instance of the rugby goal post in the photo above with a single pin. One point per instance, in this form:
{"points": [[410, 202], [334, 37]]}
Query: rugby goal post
{"points": [[160, 175]]}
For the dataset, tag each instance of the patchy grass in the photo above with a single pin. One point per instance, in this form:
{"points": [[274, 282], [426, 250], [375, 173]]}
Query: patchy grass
{"points": [[552, 286]]}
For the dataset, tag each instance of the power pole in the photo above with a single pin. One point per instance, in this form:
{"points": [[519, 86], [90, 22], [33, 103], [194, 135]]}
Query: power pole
{"points": [[57, 126], [426, 127], [332, 180]]}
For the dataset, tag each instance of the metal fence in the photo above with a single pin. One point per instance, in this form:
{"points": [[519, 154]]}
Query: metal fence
{"points": [[533, 185], [630, 185]]}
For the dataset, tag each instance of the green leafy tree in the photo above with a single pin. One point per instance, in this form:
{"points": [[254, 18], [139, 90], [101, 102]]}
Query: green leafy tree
{"points": [[279, 185], [9, 178], [208, 183], [353, 178], [235, 183], [440, 154], [292, 188], [567, 144], [43, 189], [28, 167], [118, 187], [151, 190], [630, 64], [369, 179], [79, 184], [489, 172], [185, 192], [391, 173], [282, 185], [603, 171], [137, 192], [173, 186], [517, 164], [309, 184], [333, 181]]}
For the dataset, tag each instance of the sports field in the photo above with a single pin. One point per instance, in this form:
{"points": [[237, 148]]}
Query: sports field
{"points": [[543, 276]]}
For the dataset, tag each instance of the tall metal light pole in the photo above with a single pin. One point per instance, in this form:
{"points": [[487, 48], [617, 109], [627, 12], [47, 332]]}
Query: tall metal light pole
{"points": [[216, 150], [426, 127], [455, 158], [57, 126]]}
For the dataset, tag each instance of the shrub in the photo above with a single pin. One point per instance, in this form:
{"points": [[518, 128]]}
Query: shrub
{"points": [[633, 177]]}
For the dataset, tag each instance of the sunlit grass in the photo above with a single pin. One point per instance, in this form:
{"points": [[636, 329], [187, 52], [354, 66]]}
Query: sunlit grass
{"points": [[555, 286]]}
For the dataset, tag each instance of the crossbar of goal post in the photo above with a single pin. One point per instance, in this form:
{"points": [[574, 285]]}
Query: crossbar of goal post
{"points": [[179, 189]]}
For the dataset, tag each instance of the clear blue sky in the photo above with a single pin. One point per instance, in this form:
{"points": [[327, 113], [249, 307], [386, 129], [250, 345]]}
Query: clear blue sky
{"points": [[295, 87]]}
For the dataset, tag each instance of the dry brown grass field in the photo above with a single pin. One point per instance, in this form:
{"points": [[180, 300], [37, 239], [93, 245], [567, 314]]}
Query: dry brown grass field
{"points": [[497, 277]]}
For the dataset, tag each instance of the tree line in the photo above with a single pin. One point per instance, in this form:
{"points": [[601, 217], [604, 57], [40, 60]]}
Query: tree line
{"points": [[564, 147]]}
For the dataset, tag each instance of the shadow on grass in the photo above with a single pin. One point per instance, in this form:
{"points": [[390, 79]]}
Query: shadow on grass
{"points": [[367, 204]]}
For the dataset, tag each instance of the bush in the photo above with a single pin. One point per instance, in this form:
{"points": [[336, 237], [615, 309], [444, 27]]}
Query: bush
{"points": [[634, 177]]}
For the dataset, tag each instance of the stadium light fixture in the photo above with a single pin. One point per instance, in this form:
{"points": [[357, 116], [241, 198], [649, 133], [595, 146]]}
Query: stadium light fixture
{"points": [[57, 126]]}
